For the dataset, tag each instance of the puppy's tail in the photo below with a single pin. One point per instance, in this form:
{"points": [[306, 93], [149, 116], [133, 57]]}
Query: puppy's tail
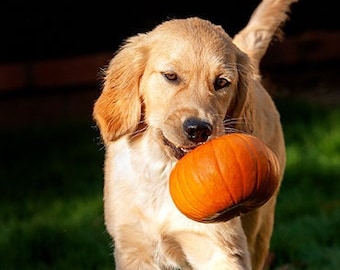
{"points": [[264, 25]]}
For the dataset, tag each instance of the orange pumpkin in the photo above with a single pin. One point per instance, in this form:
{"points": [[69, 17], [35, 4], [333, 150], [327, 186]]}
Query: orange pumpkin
{"points": [[224, 177]]}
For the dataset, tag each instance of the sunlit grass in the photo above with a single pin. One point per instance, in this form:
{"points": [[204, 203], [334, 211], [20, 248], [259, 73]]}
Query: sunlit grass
{"points": [[307, 234]]}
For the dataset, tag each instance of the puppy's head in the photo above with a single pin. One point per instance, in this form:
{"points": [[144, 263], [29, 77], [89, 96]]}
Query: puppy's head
{"points": [[184, 82]]}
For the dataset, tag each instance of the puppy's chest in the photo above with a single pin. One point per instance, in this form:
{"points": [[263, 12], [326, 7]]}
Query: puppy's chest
{"points": [[137, 178], [145, 182], [152, 186]]}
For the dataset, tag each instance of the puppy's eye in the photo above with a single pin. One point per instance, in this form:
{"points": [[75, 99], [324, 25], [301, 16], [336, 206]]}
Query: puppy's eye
{"points": [[170, 76], [221, 83]]}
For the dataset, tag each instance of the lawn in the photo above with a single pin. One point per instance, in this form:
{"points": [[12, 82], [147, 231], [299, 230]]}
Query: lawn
{"points": [[307, 231], [51, 195]]}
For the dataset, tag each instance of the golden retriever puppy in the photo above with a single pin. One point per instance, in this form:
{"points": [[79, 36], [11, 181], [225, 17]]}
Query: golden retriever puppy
{"points": [[164, 93]]}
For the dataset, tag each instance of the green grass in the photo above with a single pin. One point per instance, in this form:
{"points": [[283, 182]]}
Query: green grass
{"points": [[307, 234], [51, 195], [51, 200]]}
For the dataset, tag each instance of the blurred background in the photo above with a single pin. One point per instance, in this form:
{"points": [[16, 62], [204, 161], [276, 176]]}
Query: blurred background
{"points": [[51, 55]]}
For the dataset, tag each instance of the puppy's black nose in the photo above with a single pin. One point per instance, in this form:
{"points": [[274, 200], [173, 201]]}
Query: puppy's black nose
{"points": [[197, 130]]}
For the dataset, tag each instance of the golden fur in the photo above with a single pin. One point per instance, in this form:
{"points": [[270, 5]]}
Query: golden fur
{"points": [[184, 69]]}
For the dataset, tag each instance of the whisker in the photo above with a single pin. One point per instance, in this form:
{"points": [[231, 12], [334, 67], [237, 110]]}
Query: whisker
{"points": [[229, 125], [233, 121], [228, 130]]}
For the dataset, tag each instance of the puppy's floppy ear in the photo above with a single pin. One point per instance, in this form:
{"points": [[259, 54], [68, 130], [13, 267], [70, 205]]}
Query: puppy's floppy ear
{"points": [[118, 109], [242, 108]]}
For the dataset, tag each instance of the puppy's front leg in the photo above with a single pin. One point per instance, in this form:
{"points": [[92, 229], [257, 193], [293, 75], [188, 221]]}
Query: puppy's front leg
{"points": [[218, 246], [132, 262], [134, 251]]}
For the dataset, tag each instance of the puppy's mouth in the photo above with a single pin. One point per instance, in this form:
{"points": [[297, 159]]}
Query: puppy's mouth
{"points": [[179, 151]]}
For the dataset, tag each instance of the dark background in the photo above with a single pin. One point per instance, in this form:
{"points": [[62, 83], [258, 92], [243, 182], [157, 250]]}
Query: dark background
{"points": [[36, 30], [51, 52]]}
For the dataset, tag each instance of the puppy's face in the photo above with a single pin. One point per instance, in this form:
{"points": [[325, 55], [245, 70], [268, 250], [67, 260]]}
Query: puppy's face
{"points": [[191, 85], [188, 85]]}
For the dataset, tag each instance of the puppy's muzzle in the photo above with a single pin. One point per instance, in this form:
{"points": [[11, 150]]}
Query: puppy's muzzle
{"points": [[197, 130]]}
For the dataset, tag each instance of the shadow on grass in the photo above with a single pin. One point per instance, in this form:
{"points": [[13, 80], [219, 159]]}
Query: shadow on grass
{"points": [[51, 199]]}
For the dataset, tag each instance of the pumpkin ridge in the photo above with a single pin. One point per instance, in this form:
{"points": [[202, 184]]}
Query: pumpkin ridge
{"points": [[253, 153], [239, 162], [175, 185], [186, 186], [264, 178], [215, 156], [198, 155], [273, 170]]}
